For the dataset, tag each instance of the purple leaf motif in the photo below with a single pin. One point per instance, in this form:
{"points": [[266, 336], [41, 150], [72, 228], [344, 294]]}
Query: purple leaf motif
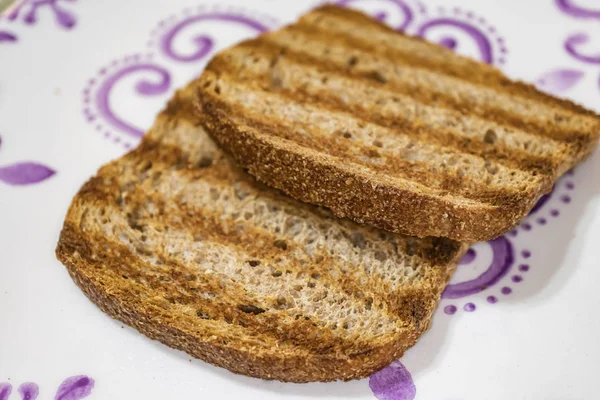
{"points": [[5, 390], [559, 80], [29, 391], [64, 18], [25, 173], [393, 383], [75, 388], [7, 37]]}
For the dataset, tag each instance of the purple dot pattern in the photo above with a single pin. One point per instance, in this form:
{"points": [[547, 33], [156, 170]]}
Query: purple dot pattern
{"points": [[459, 290], [563, 197], [450, 310]]}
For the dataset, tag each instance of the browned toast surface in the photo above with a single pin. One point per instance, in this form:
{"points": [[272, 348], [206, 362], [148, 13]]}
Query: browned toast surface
{"points": [[339, 110], [175, 241]]}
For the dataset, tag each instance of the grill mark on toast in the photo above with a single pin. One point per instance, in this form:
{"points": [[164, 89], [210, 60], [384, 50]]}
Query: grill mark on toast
{"points": [[166, 294], [164, 283], [383, 160], [426, 85], [419, 52], [302, 331], [451, 129], [198, 221], [349, 192], [86, 248], [229, 345], [347, 286]]}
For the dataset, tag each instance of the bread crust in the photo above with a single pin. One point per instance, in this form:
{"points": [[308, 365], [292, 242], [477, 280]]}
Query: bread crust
{"points": [[349, 194], [269, 365], [106, 272], [369, 195]]}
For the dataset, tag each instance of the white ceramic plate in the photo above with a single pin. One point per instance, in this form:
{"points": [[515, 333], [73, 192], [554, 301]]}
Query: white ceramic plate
{"points": [[81, 80]]}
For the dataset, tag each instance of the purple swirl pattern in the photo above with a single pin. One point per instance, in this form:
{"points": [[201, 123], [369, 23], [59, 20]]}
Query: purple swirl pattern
{"points": [[72, 388], [143, 87], [569, 7], [572, 45], [405, 10], [393, 383], [483, 43], [111, 121], [540, 214], [490, 46], [497, 277], [502, 260], [574, 42], [204, 43]]}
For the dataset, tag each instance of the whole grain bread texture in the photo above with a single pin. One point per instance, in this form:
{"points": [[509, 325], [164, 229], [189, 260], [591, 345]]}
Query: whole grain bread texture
{"points": [[340, 111], [177, 242]]}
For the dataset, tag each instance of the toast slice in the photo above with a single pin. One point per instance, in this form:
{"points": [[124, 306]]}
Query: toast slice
{"points": [[341, 111], [176, 241]]}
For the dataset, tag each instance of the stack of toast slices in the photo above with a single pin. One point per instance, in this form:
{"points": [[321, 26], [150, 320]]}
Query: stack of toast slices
{"points": [[296, 212]]}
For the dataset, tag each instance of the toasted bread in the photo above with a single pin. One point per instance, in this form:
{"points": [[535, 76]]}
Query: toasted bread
{"points": [[340, 111], [176, 241]]}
